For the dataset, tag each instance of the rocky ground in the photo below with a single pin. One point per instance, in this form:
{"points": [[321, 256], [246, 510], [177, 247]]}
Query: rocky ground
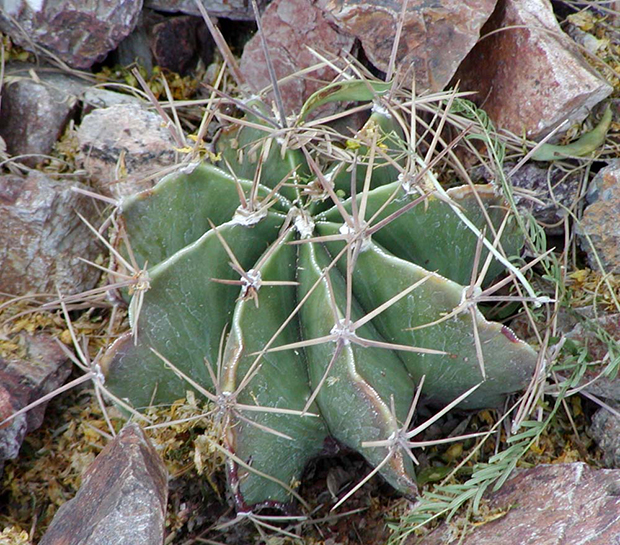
{"points": [[99, 104]]}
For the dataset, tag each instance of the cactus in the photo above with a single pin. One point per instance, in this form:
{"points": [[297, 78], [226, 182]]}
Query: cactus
{"points": [[308, 298]]}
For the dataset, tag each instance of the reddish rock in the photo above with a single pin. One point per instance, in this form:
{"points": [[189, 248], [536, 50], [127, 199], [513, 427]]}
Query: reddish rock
{"points": [[122, 498], [42, 368], [176, 43], [78, 32], [43, 238], [122, 145], [240, 10], [35, 113], [557, 504], [172, 43], [600, 220], [290, 27], [530, 80], [436, 35]]}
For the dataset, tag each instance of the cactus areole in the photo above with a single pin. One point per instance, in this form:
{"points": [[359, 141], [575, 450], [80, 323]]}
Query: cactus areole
{"points": [[308, 299]]}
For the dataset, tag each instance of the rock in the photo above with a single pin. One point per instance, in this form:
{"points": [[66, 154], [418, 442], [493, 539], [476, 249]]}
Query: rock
{"points": [[39, 368], [600, 220], [96, 98], [240, 10], [78, 32], [586, 331], [172, 43], [135, 47], [605, 430], [290, 26], [34, 113], [436, 35], [552, 190], [589, 332], [121, 145], [176, 43], [587, 328], [43, 238], [547, 191], [530, 81], [553, 504], [122, 498]]}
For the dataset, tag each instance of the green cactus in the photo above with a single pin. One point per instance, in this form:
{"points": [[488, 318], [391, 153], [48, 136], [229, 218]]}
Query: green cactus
{"points": [[308, 299]]}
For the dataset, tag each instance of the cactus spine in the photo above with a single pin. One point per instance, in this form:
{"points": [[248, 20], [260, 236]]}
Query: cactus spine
{"points": [[309, 298]]}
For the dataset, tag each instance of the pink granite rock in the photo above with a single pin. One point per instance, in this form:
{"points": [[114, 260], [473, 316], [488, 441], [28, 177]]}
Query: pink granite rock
{"points": [[121, 146], [530, 79], [80, 32], [557, 504], [290, 26], [436, 35], [43, 238], [43, 368], [122, 498]]}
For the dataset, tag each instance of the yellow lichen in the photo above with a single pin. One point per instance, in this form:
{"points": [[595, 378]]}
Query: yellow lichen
{"points": [[14, 535], [586, 287], [13, 53], [181, 87]]}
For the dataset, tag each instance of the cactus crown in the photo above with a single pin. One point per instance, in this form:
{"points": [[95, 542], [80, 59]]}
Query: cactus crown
{"points": [[311, 285]]}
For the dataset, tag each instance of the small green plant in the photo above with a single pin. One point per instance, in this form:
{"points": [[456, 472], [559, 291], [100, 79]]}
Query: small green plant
{"points": [[311, 286]]}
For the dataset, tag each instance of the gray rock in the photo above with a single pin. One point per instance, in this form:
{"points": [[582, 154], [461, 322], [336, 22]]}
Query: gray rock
{"points": [[240, 10], [34, 113], [122, 145], [552, 190], [290, 27], [79, 32], [40, 368], [547, 192], [556, 504], [591, 331], [530, 80], [135, 47], [436, 35], [605, 430], [43, 237], [95, 98], [122, 499], [600, 220]]}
